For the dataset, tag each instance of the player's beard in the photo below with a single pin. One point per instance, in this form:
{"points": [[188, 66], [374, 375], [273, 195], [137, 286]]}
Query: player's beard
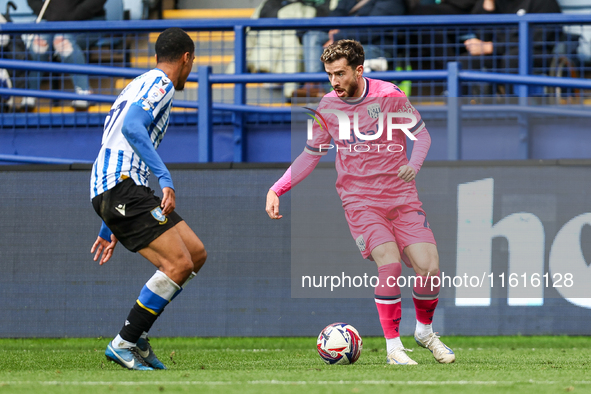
{"points": [[350, 89]]}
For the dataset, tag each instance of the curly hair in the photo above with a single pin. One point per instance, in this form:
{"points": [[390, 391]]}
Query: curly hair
{"points": [[349, 49]]}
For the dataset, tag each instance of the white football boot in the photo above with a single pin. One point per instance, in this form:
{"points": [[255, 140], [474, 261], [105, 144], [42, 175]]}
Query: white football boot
{"points": [[440, 351], [399, 357]]}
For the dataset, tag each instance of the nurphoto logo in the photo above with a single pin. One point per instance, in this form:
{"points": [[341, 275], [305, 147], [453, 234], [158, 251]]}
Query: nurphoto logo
{"points": [[374, 112]]}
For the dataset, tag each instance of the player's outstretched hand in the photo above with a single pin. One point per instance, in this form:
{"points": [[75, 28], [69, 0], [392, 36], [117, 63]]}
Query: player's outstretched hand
{"points": [[272, 207], [406, 173], [105, 247], [168, 200]]}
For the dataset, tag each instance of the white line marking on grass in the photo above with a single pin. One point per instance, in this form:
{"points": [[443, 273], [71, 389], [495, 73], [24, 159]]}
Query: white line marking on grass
{"points": [[414, 382], [289, 382]]}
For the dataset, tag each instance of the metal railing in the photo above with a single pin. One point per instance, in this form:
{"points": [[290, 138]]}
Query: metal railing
{"points": [[452, 76]]}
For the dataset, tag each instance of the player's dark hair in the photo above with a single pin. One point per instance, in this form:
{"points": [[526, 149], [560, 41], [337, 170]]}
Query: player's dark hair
{"points": [[172, 44], [348, 49]]}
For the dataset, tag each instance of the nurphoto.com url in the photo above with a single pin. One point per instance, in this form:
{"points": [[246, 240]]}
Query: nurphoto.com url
{"points": [[487, 279]]}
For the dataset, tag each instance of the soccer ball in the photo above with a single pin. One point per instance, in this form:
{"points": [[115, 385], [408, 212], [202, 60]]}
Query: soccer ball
{"points": [[339, 343]]}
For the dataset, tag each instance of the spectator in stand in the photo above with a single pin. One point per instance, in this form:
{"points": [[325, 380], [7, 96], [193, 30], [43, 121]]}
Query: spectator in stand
{"points": [[446, 7], [435, 48], [65, 45], [12, 47], [500, 51], [315, 41], [280, 51]]}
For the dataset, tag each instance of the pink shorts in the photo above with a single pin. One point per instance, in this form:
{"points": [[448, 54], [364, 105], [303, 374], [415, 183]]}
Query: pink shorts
{"points": [[405, 224]]}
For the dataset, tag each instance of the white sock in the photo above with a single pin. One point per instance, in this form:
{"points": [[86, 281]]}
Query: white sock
{"points": [[144, 335], [120, 343], [393, 344], [423, 330]]}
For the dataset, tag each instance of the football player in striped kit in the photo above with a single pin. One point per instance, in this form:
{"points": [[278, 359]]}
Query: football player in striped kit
{"points": [[131, 213]]}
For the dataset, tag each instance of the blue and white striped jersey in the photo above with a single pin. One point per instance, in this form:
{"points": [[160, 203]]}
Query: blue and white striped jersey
{"points": [[153, 93]]}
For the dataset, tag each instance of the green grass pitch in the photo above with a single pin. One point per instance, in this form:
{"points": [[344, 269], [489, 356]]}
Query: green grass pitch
{"points": [[292, 365]]}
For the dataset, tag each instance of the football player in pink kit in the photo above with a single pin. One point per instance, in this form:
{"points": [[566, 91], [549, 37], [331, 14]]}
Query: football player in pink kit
{"points": [[377, 187]]}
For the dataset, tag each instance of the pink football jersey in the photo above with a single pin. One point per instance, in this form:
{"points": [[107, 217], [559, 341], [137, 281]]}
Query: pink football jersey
{"points": [[373, 149]]}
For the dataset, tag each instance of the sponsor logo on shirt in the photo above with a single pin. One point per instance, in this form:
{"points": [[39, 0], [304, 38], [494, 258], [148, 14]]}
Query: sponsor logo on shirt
{"points": [[156, 93]]}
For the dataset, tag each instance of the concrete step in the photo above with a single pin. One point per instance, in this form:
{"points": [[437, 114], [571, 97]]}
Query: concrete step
{"points": [[193, 4], [122, 82], [218, 62], [256, 93], [215, 13], [202, 36]]}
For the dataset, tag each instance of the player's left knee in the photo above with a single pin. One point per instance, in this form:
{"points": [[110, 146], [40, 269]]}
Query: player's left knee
{"points": [[430, 268], [433, 271], [199, 256]]}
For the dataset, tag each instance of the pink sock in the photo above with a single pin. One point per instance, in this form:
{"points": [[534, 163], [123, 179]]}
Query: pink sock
{"points": [[387, 297], [425, 298]]}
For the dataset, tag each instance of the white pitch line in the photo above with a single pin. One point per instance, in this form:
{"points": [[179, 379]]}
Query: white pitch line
{"points": [[290, 382]]}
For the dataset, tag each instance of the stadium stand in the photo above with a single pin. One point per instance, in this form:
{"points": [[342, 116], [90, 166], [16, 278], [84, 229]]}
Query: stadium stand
{"points": [[259, 130], [216, 49]]}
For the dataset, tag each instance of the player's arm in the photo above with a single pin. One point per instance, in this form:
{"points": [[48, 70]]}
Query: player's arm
{"points": [[105, 243], [420, 149], [297, 172], [422, 143], [302, 166], [135, 130]]}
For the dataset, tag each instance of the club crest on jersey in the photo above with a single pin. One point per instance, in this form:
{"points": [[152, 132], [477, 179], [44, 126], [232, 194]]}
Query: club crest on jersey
{"points": [[158, 215], [373, 110], [360, 243]]}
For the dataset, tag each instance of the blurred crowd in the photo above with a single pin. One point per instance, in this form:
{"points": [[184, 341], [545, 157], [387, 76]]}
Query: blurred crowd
{"points": [[299, 50], [293, 51]]}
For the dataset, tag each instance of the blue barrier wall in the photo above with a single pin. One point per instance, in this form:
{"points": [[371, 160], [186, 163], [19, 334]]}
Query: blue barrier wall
{"points": [[496, 139], [50, 287]]}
